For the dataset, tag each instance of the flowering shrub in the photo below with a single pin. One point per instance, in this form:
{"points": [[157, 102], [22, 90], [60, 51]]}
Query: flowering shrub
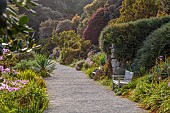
{"points": [[88, 61], [24, 93], [12, 86], [6, 61]]}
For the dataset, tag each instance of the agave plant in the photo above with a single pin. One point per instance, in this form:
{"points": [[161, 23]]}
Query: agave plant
{"points": [[43, 65]]}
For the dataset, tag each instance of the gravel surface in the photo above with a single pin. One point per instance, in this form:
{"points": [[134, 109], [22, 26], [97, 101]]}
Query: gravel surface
{"points": [[70, 91]]}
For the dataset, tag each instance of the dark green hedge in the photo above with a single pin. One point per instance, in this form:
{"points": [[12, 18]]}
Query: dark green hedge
{"points": [[157, 44], [128, 37]]}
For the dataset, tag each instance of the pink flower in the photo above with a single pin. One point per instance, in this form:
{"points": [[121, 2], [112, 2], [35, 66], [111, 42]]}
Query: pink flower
{"points": [[14, 71], [1, 57], [7, 70], [6, 51], [160, 57]]}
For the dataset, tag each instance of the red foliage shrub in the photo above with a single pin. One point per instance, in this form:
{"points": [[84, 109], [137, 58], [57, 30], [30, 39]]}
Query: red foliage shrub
{"points": [[95, 25]]}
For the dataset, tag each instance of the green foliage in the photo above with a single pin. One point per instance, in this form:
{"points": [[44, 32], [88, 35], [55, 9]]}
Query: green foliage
{"points": [[64, 25], [8, 60], [32, 76], [137, 9], [27, 75], [68, 55], [71, 46], [91, 8], [66, 39], [31, 98], [99, 59], [46, 28], [152, 91], [66, 7], [11, 24], [47, 47], [157, 44], [43, 65], [128, 37], [165, 5], [25, 56], [89, 71], [23, 65], [106, 82]]}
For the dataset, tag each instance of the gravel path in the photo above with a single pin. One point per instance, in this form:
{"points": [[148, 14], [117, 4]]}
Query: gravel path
{"points": [[70, 91]]}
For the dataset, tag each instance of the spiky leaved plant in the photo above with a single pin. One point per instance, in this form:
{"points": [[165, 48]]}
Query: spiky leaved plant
{"points": [[43, 65]]}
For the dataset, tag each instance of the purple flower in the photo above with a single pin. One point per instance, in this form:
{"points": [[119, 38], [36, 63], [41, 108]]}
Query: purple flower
{"points": [[10, 89], [1, 68], [169, 84], [3, 86], [22, 81], [88, 61]]}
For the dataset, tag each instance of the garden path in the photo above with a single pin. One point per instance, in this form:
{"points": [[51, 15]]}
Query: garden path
{"points": [[70, 91]]}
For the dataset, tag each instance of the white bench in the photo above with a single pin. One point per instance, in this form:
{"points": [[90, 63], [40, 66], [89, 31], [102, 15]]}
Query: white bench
{"points": [[121, 80]]}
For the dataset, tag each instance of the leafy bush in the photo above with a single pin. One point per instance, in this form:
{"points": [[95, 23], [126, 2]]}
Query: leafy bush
{"points": [[165, 5], [127, 38], [136, 9], [64, 25], [95, 25], [47, 47], [68, 55], [157, 44], [43, 65], [71, 46], [46, 28], [25, 56], [23, 65]]}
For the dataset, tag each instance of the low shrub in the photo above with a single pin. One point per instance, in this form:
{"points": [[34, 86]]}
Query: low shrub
{"points": [[43, 65], [24, 64]]}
